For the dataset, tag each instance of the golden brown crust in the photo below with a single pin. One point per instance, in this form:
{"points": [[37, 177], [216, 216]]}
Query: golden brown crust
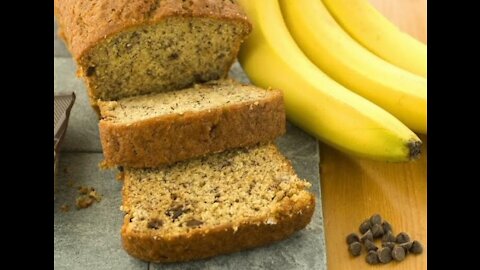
{"points": [[171, 138], [83, 23], [199, 244]]}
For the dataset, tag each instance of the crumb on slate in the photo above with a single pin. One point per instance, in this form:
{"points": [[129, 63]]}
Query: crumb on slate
{"points": [[64, 208], [87, 196], [119, 176], [102, 165]]}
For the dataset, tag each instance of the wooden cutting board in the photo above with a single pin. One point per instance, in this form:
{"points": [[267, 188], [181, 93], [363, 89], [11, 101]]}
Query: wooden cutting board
{"points": [[354, 188]]}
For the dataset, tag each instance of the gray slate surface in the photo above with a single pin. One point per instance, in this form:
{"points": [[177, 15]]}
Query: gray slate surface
{"points": [[90, 238]]}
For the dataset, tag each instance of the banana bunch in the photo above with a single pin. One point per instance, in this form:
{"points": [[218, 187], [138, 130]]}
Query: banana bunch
{"points": [[369, 27], [316, 32], [333, 88]]}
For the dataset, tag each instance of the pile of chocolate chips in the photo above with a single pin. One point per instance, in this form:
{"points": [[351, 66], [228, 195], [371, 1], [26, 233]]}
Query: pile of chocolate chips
{"points": [[393, 247]]}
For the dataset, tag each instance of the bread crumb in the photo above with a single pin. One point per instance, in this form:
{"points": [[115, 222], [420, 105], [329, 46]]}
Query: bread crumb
{"points": [[119, 176], [83, 190], [87, 196], [103, 165], [95, 195], [83, 202], [64, 208]]}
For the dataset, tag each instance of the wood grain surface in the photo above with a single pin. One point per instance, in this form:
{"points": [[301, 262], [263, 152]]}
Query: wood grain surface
{"points": [[355, 188]]}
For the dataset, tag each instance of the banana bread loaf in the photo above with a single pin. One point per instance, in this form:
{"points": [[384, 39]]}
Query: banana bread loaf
{"points": [[217, 204], [130, 47], [150, 130]]}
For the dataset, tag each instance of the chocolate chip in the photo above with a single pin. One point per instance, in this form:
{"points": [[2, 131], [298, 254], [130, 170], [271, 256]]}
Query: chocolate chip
{"points": [[372, 257], [406, 246], [388, 237], [376, 219], [385, 255], [154, 223], [377, 231], [194, 223], [416, 248], [176, 212], [199, 78], [398, 253], [353, 237], [90, 71], [390, 245], [368, 235], [355, 249], [369, 245], [225, 163], [393, 247], [402, 238], [173, 56], [387, 227], [365, 226]]}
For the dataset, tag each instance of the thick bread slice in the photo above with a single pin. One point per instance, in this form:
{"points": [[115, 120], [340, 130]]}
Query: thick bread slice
{"points": [[148, 131], [217, 204], [130, 47]]}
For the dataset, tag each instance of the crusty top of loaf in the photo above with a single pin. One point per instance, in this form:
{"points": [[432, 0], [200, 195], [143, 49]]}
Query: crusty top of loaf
{"points": [[201, 97], [83, 23]]}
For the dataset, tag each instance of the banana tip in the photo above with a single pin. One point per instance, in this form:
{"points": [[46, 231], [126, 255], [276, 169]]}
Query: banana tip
{"points": [[415, 148]]}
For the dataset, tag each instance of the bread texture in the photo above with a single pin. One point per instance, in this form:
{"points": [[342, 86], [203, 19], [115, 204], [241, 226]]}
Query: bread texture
{"points": [[151, 130], [218, 204], [125, 48]]}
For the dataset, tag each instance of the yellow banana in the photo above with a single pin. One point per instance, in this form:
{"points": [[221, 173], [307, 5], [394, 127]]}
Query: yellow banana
{"points": [[314, 101], [316, 32], [369, 27]]}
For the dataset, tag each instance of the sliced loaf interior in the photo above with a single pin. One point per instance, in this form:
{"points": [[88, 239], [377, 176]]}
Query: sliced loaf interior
{"points": [[240, 190], [171, 54], [201, 97], [163, 128]]}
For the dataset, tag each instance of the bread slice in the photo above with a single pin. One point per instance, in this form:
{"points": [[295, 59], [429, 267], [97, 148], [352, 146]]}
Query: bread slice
{"points": [[130, 47], [217, 204], [151, 130]]}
